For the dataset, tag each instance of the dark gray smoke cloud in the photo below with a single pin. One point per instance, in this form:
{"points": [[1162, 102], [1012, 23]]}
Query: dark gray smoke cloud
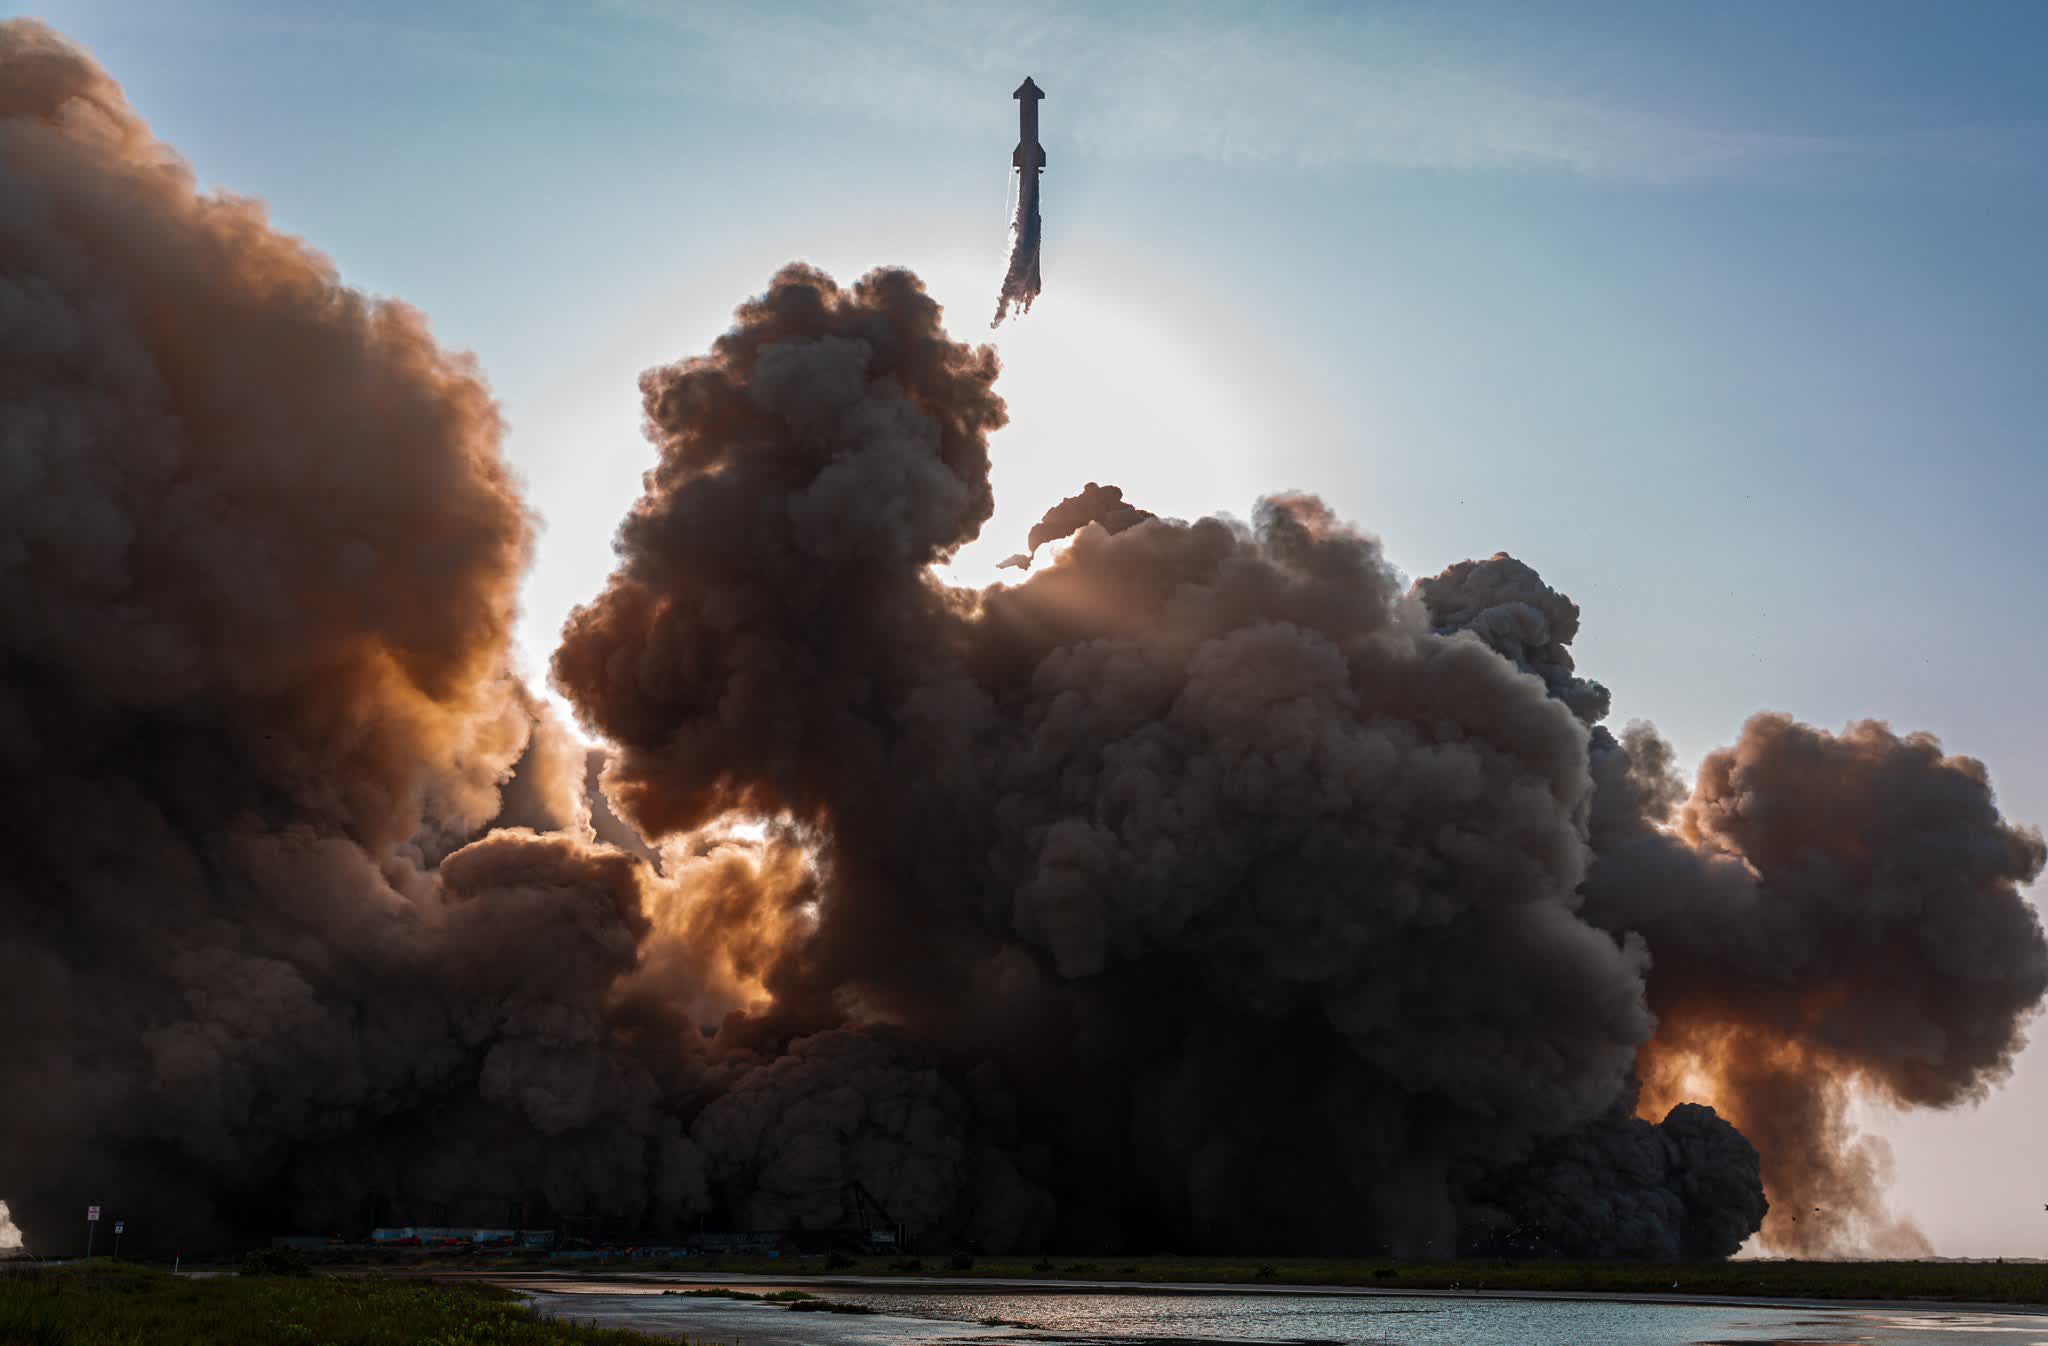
{"points": [[1283, 867], [1506, 604], [848, 1107], [1683, 1189], [1208, 889], [1103, 506], [1825, 913], [1203, 828]]}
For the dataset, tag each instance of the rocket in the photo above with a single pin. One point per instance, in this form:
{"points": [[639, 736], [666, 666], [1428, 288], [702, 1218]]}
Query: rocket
{"points": [[1021, 283], [1029, 159], [1030, 154]]}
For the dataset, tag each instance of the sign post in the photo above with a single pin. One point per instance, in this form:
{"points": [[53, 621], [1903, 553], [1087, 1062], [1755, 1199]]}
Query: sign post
{"points": [[119, 1225], [92, 1222]]}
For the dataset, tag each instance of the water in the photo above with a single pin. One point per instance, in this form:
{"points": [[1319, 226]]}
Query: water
{"points": [[1367, 1320], [1429, 1321]]}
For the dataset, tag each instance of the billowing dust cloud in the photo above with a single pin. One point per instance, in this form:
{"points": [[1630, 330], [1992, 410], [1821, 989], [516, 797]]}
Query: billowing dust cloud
{"points": [[1210, 888], [1829, 913], [1825, 913], [1253, 876], [258, 561]]}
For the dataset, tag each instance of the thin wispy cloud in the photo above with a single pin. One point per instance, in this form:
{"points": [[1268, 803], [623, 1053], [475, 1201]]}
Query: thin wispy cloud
{"points": [[1312, 89], [1297, 85]]}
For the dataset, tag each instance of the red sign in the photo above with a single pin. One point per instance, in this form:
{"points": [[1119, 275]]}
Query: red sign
{"points": [[92, 1212]]}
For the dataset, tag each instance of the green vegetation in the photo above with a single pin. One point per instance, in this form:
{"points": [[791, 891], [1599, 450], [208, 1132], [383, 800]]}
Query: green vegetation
{"points": [[1986, 1282], [276, 1262], [117, 1304]]}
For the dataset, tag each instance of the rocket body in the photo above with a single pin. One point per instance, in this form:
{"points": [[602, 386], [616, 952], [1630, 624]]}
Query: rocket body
{"points": [[1030, 154]]}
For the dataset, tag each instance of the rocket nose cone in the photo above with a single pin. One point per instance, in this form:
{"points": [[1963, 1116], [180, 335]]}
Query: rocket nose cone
{"points": [[1028, 90]]}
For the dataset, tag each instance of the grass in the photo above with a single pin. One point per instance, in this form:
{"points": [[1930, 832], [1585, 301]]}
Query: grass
{"points": [[1986, 1282], [115, 1304]]}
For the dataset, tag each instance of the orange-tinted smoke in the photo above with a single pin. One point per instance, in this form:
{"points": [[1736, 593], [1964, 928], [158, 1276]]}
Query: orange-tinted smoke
{"points": [[259, 560], [1832, 914], [723, 912], [1825, 914], [233, 477], [1825, 1182]]}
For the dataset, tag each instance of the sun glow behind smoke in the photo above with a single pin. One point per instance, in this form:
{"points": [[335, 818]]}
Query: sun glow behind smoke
{"points": [[1118, 376], [1108, 391], [725, 898], [742, 828]]}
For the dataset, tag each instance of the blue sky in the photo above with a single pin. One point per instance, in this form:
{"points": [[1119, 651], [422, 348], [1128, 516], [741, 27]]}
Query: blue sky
{"points": [[1727, 318]]}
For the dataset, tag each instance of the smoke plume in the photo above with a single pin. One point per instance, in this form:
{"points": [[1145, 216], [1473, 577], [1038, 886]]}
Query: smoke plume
{"points": [[1684, 1189], [1102, 505], [10, 1237], [1282, 866], [256, 589], [1020, 280], [1825, 913], [1209, 888], [1831, 913]]}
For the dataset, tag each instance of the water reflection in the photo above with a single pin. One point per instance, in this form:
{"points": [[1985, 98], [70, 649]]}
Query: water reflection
{"points": [[996, 1318], [1427, 1321]]}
